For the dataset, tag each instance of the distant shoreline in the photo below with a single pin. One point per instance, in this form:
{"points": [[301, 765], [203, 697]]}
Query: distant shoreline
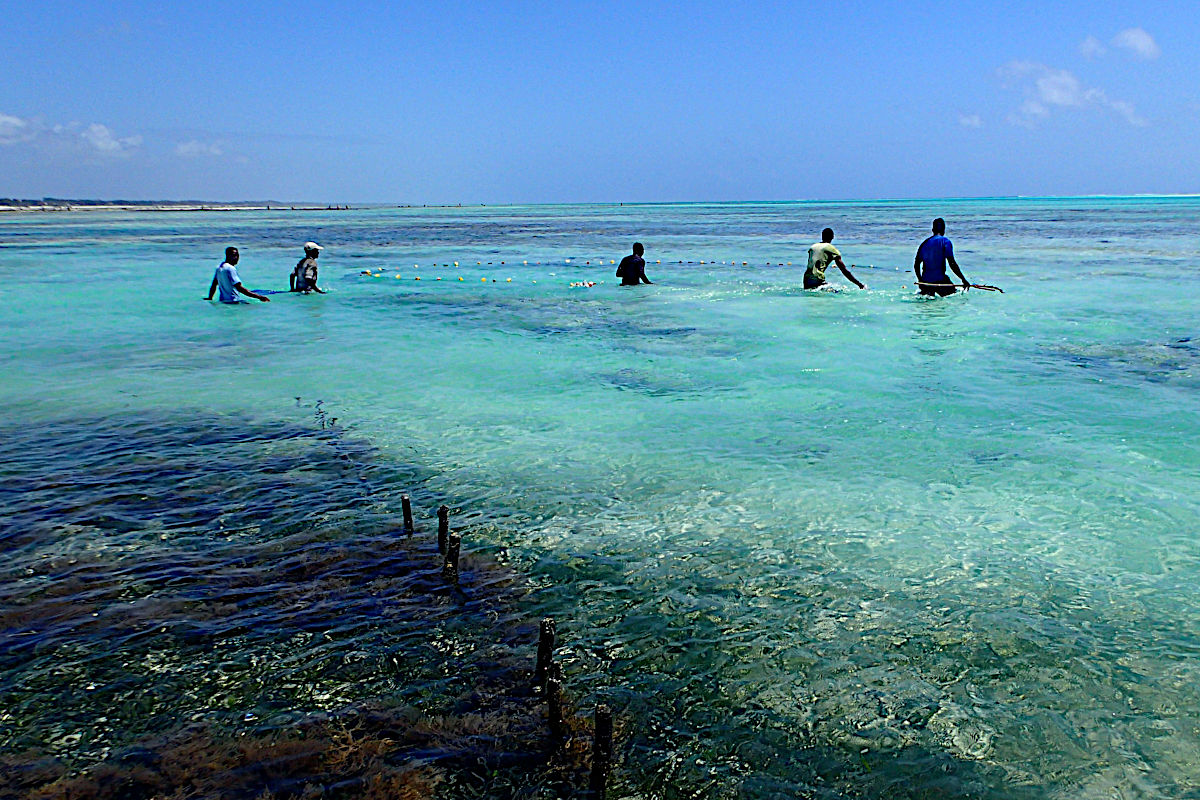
{"points": [[50, 205], [34, 207], [46, 208]]}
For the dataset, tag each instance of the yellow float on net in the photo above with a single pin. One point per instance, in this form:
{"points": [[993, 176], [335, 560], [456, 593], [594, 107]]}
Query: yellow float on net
{"points": [[398, 276], [417, 278], [509, 280], [483, 279], [456, 263], [460, 277]]}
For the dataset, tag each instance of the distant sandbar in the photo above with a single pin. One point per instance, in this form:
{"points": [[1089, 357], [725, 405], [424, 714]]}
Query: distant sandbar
{"points": [[18, 206]]}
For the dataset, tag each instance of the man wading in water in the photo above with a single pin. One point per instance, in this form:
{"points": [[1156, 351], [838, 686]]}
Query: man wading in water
{"points": [[227, 280], [819, 256], [934, 253], [304, 276], [632, 269]]}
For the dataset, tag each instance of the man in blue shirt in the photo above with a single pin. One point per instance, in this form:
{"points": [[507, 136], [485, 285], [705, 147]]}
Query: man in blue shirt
{"points": [[226, 278], [933, 254]]}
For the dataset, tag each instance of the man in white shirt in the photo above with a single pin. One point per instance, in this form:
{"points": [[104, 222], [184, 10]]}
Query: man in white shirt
{"points": [[304, 276], [819, 256], [226, 278]]}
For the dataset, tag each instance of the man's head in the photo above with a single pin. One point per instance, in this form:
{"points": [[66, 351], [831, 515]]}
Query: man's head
{"points": [[231, 255], [827, 235], [312, 249], [638, 249], [939, 226]]}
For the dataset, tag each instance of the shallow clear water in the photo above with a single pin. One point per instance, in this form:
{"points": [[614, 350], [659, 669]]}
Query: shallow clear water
{"points": [[800, 540]]}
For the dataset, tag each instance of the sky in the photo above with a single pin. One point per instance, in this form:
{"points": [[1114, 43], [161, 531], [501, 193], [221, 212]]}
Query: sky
{"points": [[513, 102]]}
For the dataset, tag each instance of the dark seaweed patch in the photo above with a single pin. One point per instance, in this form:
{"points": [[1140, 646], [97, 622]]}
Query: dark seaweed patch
{"points": [[201, 606], [1150, 362]]}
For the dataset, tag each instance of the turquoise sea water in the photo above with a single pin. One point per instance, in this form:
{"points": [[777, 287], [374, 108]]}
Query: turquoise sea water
{"points": [[802, 542]]}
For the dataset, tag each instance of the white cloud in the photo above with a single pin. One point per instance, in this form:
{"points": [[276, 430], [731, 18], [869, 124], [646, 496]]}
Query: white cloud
{"points": [[101, 139], [92, 139], [1127, 111], [1032, 108], [197, 149], [1047, 88], [1138, 42], [14, 130], [1057, 87], [1092, 48], [970, 120]]}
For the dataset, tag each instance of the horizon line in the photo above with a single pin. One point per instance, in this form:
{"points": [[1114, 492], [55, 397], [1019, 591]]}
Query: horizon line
{"points": [[15, 202]]}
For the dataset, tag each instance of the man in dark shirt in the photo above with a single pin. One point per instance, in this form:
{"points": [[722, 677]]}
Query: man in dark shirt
{"points": [[632, 269], [930, 263]]}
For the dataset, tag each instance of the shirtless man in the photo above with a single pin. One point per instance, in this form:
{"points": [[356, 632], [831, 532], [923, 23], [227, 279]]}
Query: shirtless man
{"points": [[632, 269]]}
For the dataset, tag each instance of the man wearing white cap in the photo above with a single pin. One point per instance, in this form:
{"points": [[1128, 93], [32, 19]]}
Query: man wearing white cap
{"points": [[304, 276]]}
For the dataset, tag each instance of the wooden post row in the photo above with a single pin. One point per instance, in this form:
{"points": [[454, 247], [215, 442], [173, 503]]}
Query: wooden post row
{"points": [[450, 564], [406, 505], [601, 752], [443, 528], [545, 652], [554, 700]]}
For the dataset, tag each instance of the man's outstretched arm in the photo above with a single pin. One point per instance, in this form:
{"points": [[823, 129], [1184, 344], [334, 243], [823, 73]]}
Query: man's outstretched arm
{"points": [[249, 293], [842, 266]]}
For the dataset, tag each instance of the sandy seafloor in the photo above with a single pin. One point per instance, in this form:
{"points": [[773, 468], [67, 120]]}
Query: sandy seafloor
{"points": [[805, 543]]}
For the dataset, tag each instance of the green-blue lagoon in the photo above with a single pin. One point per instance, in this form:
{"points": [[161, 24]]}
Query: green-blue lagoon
{"points": [[817, 544]]}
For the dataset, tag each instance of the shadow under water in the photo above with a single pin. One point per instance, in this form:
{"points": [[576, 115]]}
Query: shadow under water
{"points": [[199, 606]]}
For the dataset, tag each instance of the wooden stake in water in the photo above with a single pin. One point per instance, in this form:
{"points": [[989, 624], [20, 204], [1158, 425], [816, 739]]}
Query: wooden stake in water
{"points": [[545, 651], [450, 564], [601, 752], [443, 528], [406, 506], [554, 701]]}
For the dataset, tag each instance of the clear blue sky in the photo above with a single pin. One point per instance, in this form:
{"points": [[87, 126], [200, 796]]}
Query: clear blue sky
{"points": [[443, 101]]}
